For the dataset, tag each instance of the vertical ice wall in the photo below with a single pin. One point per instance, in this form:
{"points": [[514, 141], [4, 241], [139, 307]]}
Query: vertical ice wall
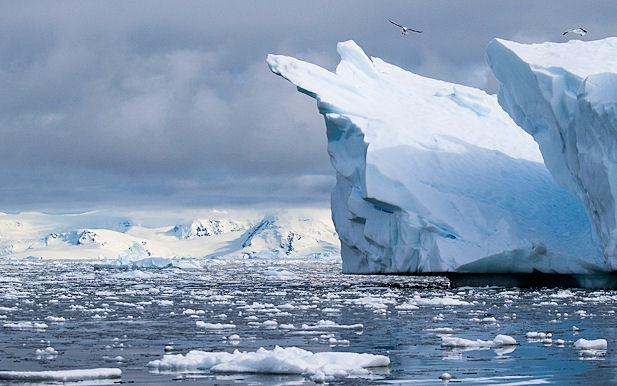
{"points": [[433, 176], [565, 95]]}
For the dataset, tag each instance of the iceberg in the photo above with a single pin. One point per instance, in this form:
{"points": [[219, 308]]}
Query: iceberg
{"points": [[433, 176], [565, 96]]}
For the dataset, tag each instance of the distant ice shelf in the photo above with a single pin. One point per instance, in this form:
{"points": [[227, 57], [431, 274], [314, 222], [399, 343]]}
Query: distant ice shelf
{"points": [[434, 176]]}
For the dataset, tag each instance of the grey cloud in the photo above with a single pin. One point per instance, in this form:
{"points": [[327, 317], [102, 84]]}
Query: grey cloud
{"points": [[106, 103]]}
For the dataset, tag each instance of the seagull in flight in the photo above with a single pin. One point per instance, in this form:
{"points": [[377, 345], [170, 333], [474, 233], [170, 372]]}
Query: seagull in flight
{"points": [[404, 30], [578, 31]]}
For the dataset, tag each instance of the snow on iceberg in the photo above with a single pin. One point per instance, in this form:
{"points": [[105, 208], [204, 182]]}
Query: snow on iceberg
{"points": [[433, 176], [291, 360], [565, 95]]}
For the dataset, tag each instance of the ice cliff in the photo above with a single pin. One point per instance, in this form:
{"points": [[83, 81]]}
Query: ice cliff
{"points": [[565, 96], [433, 176]]}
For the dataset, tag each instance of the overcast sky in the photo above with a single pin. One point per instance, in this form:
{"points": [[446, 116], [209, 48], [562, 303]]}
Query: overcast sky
{"points": [[171, 103]]}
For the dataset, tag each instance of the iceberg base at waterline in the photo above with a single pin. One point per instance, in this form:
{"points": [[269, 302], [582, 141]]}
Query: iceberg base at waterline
{"points": [[606, 280]]}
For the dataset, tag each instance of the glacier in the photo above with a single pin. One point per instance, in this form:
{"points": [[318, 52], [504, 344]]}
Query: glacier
{"points": [[433, 176], [565, 96]]}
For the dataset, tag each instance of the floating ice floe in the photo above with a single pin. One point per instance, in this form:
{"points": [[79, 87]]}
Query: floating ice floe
{"points": [[26, 325], [591, 349], [46, 351], [291, 360], [280, 274], [378, 304], [61, 375], [55, 319], [190, 311], [114, 359], [595, 344], [331, 325], [214, 326], [445, 377], [440, 330], [562, 294], [438, 301], [407, 307], [534, 335], [270, 324], [499, 341]]}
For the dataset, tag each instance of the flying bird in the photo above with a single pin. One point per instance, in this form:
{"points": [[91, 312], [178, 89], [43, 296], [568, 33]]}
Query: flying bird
{"points": [[404, 30], [578, 31]]}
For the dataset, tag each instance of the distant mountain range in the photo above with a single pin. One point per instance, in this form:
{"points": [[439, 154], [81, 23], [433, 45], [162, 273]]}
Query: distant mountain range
{"points": [[105, 235]]}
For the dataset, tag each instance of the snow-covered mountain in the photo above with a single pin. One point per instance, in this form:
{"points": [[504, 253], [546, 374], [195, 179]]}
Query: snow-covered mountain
{"points": [[206, 227], [289, 236], [434, 176], [565, 95], [102, 235]]}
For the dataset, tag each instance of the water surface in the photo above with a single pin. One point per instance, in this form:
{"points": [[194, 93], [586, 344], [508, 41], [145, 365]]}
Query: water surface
{"points": [[135, 314]]}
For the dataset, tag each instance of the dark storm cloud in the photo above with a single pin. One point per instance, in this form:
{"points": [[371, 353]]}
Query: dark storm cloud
{"points": [[171, 102]]}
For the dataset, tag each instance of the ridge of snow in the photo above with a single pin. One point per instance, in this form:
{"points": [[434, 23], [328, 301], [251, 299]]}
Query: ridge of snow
{"points": [[61, 375]]}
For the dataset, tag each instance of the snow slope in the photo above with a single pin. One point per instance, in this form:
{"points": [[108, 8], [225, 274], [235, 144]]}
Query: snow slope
{"points": [[565, 95], [295, 232], [434, 176]]}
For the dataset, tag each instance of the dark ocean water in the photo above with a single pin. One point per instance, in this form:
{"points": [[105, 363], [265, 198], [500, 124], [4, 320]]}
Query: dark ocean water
{"points": [[135, 314]]}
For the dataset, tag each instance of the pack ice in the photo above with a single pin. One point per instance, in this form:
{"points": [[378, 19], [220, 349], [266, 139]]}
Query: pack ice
{"points": [[434, 176], [565, 95]]}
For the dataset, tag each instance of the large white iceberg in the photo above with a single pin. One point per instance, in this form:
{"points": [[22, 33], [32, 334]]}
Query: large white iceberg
{"points": [[434, 176], [565, 95]]}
